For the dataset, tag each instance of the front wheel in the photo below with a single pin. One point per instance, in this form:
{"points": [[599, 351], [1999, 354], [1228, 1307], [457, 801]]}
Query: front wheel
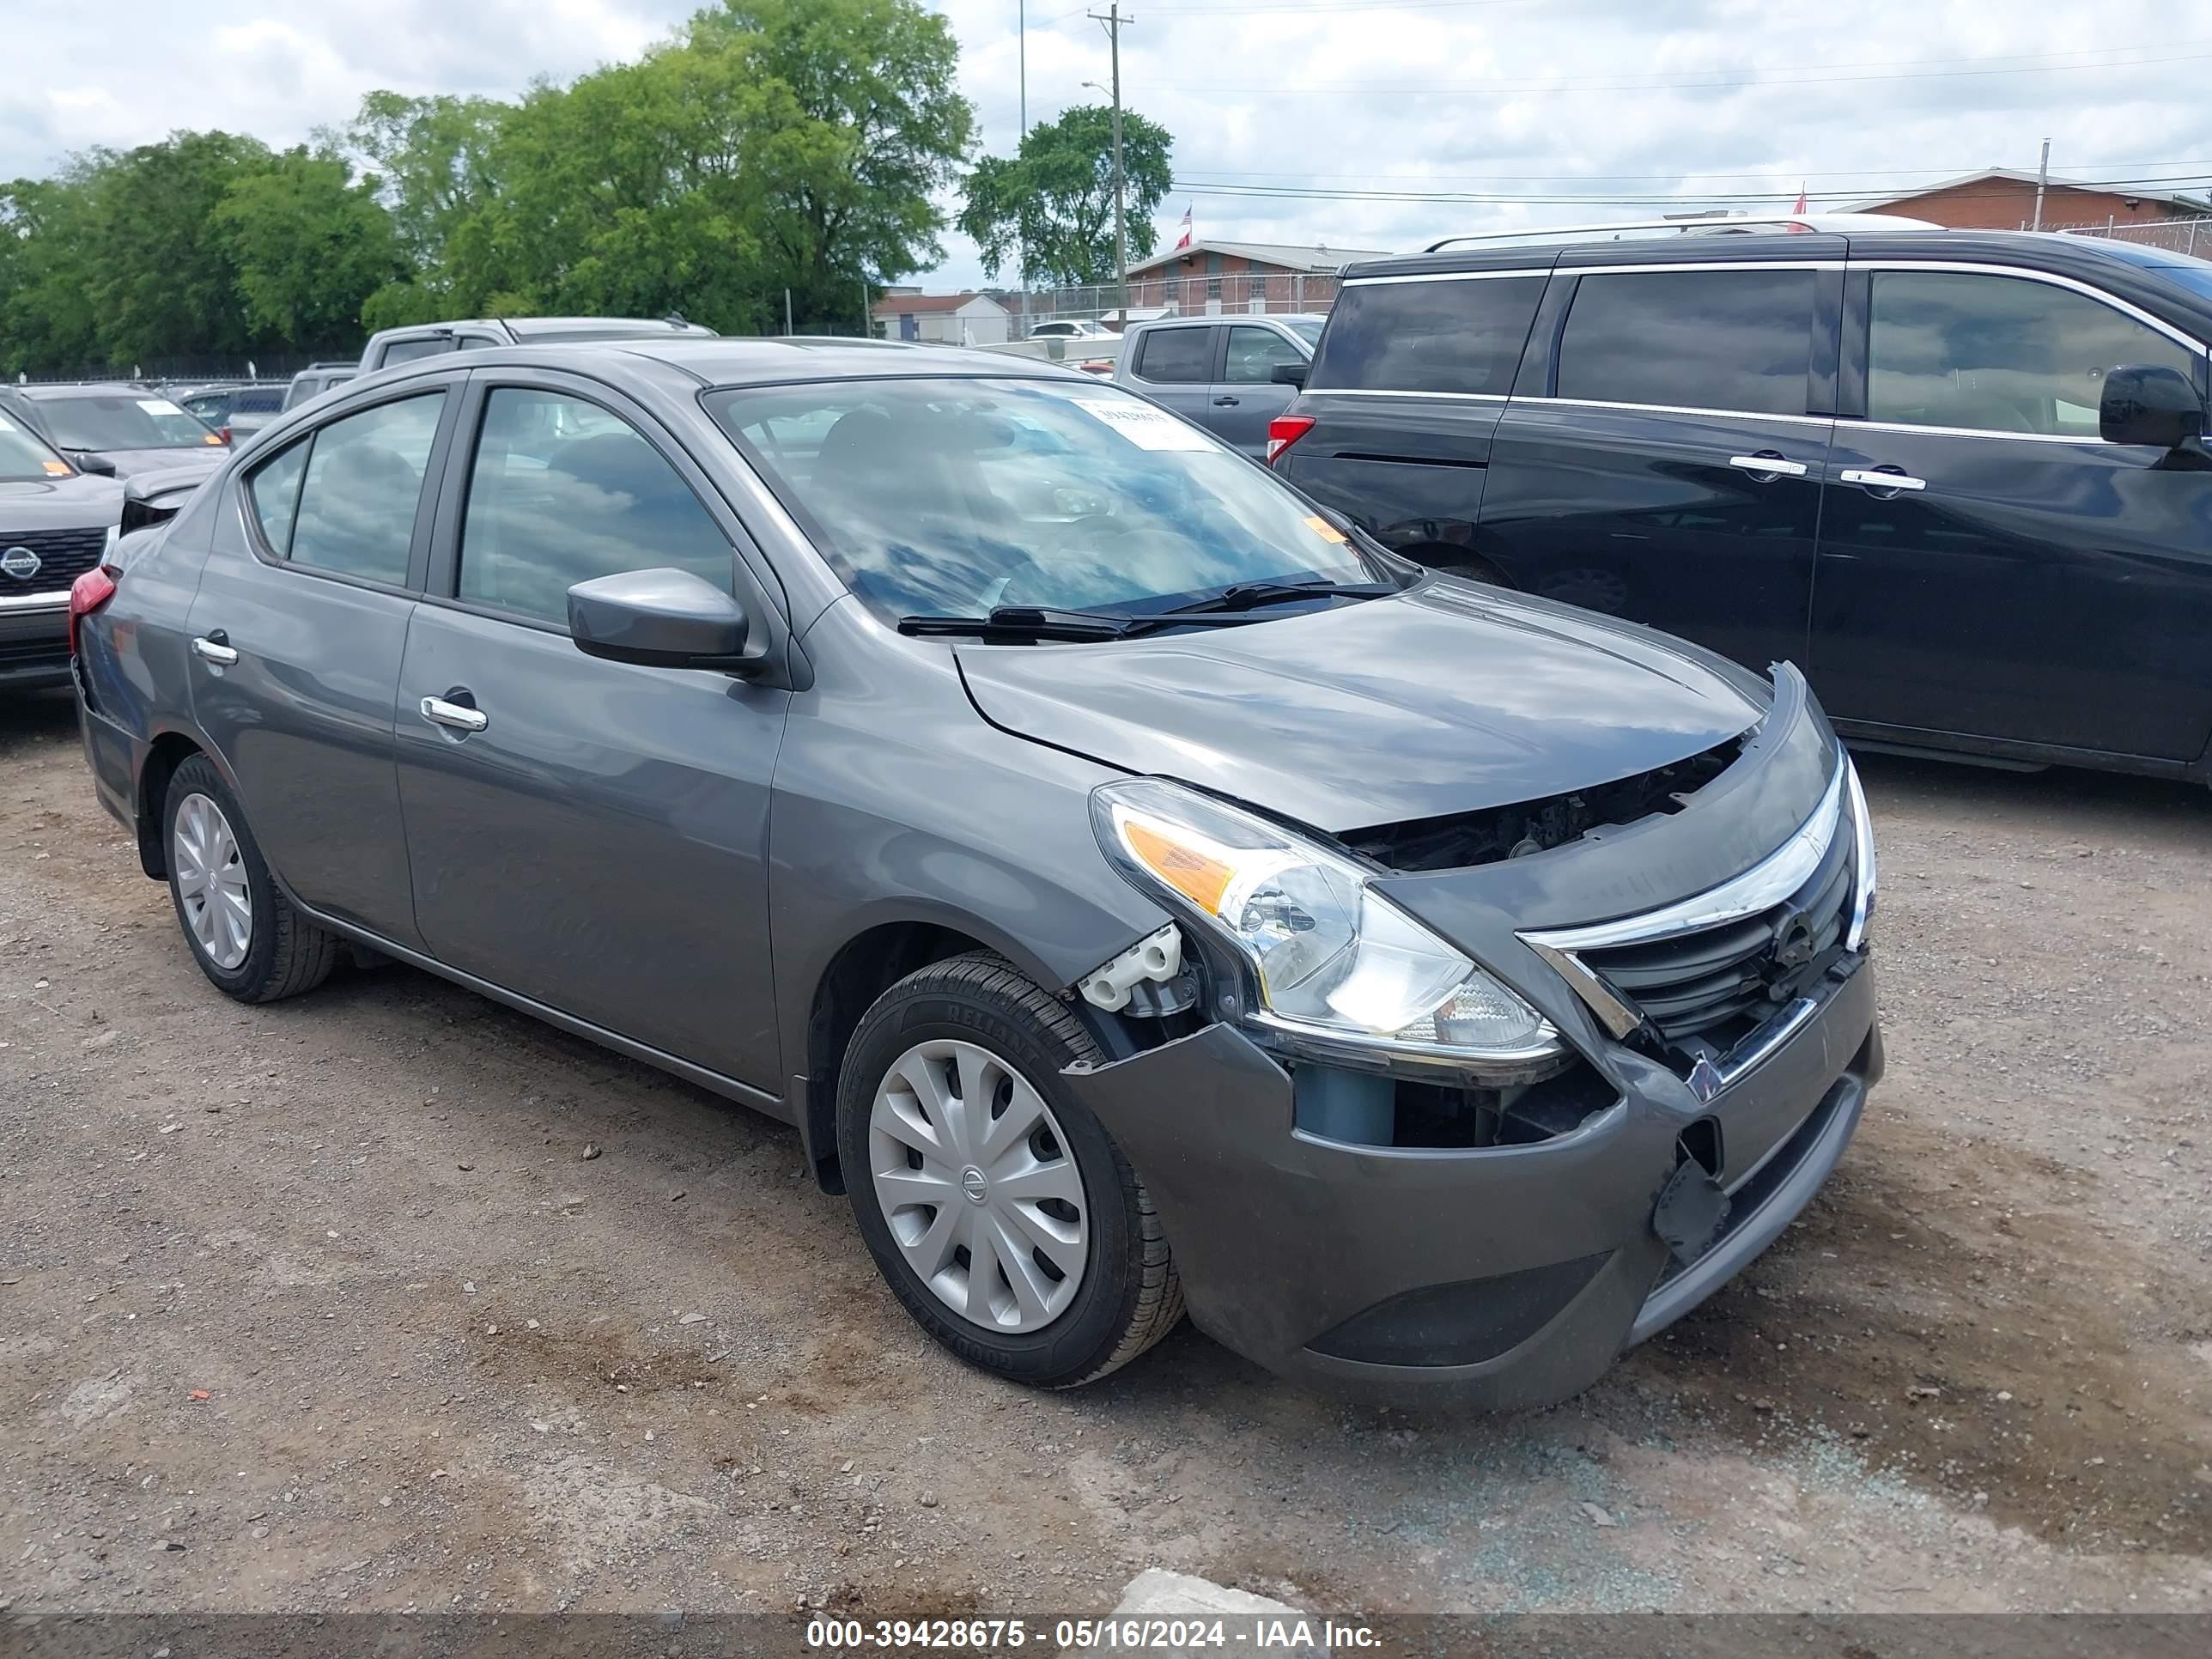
{"points": [[996, 1206]]}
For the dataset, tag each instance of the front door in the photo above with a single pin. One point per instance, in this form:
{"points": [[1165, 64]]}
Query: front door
{"points": [[1667, 468], [1246, 397], [589, 834], [2022, 580], [1174, 367], [297, 633]]}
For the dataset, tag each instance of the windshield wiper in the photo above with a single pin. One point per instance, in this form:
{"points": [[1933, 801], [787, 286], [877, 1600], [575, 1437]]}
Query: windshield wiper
{"points": [[1029, 622], [1250, 596]]}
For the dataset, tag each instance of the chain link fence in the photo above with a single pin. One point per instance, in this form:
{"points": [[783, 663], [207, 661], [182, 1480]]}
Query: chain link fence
{"points": [[2191, 236], [1229, 292], [173, 371]]}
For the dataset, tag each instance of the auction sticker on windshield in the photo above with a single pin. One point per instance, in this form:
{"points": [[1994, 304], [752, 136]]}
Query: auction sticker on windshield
{"points": [[1143, 425], [159, 406]]}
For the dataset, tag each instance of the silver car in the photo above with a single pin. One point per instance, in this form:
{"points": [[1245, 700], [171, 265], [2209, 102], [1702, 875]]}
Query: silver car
{"points": [[1139, 890], [1227, 375]]}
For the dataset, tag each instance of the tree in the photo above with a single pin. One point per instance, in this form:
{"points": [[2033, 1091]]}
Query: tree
{"points": [[433, 161], [866, 126], [46, 314], [309, 247], [1049, 209], [161, 282]]}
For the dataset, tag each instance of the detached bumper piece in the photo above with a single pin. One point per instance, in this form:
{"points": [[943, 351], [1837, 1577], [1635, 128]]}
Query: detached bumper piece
{"points": [[1502, 1275]]}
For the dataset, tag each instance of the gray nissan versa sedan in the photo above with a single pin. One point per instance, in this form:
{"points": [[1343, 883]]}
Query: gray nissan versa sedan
{"points": [[1140, 890]]}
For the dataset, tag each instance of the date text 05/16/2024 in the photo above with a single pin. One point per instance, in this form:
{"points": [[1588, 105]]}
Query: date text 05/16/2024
{"points": [[1127, 1635]]}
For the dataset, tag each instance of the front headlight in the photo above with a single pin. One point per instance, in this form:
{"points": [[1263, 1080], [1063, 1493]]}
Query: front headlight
{"points": [[1862, 859], [1332, 960]]}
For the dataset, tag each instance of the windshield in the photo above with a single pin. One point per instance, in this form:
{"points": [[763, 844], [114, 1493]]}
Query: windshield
{"points": [[1306, 328], [947, 497], [122, 420], [23, 456]]}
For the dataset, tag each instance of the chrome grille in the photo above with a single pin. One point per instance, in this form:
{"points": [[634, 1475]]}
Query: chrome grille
{"points": [[1697, 984], [63, 555]]}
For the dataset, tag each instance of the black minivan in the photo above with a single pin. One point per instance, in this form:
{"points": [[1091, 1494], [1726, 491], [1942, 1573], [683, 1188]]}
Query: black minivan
{"points": [[1961, 477]]}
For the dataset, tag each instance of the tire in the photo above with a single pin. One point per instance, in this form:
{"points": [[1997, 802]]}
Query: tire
{"points": [[1124, 1297], [282, 952]]}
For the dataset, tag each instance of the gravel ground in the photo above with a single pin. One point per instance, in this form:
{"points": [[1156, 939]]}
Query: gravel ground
{"points": [[387, 1297]]}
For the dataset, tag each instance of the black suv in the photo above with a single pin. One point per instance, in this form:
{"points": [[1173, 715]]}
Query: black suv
{"points": [[1960, 477]]}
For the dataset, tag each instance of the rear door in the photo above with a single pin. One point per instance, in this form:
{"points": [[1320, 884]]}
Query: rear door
{"points": [[1246, 397], [598, 841], [1663, 454], [1405, 391], [2022, 580], [297, 632], [1176, 367]]}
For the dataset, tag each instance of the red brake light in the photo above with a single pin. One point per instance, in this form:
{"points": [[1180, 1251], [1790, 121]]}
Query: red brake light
{"points": [[1283, 431], [87, 594], [223, 432]]}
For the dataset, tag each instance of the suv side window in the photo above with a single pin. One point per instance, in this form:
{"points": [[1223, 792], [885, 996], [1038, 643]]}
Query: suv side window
{"points": [[1176, 356], [1738, 340], [1253, 353], [406, 351], [1453, 336], [1998, 353], [561, 491], [363, 481]]}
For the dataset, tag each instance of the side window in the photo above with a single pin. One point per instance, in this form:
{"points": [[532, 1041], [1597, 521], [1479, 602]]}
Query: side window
{"points": [[406, 351], [563, 491], [1176, 356], [1700, 339], [364, 481], [1253, 353], [274, 490], [1998, 353], [1428, 337]]}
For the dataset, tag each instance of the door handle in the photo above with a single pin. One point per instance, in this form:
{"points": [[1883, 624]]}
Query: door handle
{"points": [[1224, 403], [1882, 479], [1773, 465], [457, 716], [215, 648]]}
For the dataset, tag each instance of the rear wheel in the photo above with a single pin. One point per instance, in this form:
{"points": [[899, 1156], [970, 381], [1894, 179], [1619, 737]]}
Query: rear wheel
{"points": [[996, 1206], [247, 937]]}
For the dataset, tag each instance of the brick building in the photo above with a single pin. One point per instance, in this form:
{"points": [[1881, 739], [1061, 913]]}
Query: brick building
{"points": [[1205, 278], [2001, 198]]}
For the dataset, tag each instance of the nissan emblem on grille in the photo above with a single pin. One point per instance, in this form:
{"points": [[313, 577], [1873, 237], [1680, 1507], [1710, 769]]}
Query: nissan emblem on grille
{"points": [[20, 563]]}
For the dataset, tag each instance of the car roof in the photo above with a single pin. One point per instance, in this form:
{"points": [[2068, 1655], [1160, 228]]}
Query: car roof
{"points": [[79, 388], [713, 361]]}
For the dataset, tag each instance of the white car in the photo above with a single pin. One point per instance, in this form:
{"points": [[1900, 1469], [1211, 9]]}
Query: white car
{"points": [[1071, 331]]}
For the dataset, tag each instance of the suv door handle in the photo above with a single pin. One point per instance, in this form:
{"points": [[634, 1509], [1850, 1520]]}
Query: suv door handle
{"points": [[1882, 480], [1769, 464], [1224, 403], [215, 647], [459, 716]]}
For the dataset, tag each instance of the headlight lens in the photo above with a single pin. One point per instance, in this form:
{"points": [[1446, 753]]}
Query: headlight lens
{"points": [[1863, 858], [1332, 958]]}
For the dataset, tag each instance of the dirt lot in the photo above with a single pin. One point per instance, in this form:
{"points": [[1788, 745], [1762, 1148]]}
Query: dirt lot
{"points": [[332, 1304]]}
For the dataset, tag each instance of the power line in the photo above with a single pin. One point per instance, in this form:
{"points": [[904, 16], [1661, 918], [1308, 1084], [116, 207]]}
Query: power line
{"points": [[1289, 193], [1204, 174]]}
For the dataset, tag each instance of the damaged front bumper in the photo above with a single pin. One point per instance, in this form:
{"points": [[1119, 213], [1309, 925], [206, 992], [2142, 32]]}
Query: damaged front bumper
{"points": [[1495, 1276]]}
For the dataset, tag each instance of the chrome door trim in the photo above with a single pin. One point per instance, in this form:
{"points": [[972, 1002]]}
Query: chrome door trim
{"points": [[1381, 392], [1875, 478], [1443, 277], [1675, 409]]}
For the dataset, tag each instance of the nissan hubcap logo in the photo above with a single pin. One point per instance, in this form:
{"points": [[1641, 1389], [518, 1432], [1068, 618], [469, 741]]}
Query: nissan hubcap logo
{"points": [[973, 1183], [20, 563]]}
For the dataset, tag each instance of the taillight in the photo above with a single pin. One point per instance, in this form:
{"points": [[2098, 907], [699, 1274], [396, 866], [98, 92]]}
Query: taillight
{"points": [[87, 594], [1283, 431], [1097, 365], [223, 432]]}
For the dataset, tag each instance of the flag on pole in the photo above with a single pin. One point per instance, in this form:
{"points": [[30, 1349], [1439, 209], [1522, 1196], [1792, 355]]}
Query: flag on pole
{"points": [[1184, 240], [1800, 208]]}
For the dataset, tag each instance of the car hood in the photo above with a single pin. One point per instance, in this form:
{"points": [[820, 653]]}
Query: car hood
{"points": [[1446, 698], [130, 463], [146, 482], [71, 503]]}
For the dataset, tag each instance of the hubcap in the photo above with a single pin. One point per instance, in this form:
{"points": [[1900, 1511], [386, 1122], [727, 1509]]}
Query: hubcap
{"points": [[973, 1174], [211, 881]]}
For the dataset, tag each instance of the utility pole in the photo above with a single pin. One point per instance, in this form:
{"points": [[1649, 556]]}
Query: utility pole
{"points": [[1113, 20], [2042, 178], [1022, 70]]}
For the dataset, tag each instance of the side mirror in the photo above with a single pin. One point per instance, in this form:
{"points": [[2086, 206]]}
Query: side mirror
{"points": [[662, 618], [1290, 374], [2148, 404], [99, 466]]}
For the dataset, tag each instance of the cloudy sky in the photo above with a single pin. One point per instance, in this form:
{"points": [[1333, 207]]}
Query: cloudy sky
{"points": [[1295, 120]]}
